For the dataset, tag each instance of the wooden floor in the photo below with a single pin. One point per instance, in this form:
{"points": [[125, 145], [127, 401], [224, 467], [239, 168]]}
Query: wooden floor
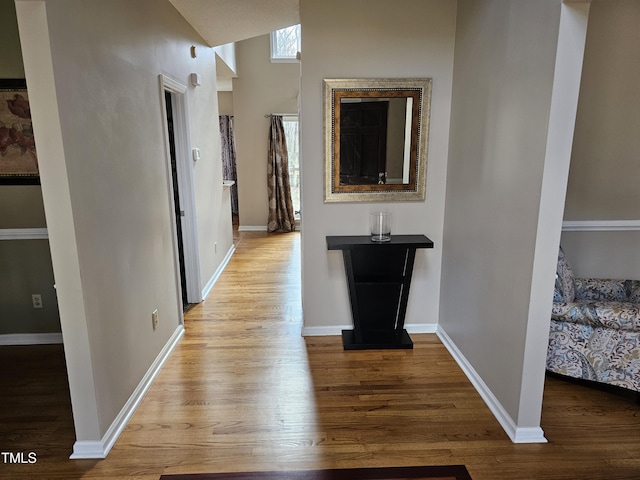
{"points": [[244, 391]]}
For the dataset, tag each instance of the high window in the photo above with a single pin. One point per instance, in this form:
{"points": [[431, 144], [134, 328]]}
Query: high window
{"points": [[285, 44]]}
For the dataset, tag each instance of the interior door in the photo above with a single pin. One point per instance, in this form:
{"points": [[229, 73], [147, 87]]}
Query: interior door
{"points": [[176, 197], [363, 142]]}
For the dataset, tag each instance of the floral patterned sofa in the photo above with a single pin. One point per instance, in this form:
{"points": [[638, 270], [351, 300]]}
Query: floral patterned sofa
{"points": [[595, 329]]}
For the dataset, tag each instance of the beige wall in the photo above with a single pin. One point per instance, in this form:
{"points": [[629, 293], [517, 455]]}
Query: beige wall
{"points": [[26, 269], [11, 64], [261, 88], [225, 103], [21, 206], [605, 165], [512, 124], [603, 181], [493, 185], [370, 40], [97, 114], [25, 264], [603, 254]]}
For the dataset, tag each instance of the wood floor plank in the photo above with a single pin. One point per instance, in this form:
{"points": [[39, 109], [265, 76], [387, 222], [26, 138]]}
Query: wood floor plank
{"points": [[244, 391]]}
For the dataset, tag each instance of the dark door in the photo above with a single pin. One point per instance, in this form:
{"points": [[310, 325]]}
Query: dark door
{"points": [[176, 197], [363, 142]]}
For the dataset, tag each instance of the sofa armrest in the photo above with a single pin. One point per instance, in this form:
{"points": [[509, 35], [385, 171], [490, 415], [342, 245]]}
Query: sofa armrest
{"points": [[613, 315]]}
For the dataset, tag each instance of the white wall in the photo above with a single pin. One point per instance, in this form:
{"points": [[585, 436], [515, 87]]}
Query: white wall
{"points": [[261, 88], [368, 39], [516, 84], [97, 113], [605, 165]]}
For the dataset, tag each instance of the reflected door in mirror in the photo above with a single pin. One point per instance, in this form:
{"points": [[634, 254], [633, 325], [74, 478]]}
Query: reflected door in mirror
{"points": [[363, 143]]}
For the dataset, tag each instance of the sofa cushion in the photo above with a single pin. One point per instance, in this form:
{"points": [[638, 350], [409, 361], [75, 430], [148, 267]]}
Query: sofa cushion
{"points": [[565, 282], [613, 315], [633, 290], [594, 353], [600, 290]]}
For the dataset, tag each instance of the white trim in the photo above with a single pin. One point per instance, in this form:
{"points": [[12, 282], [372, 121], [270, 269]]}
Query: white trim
{"points": [[88, 449], [186, 185], [273, 40], [53, 338], [516, 434], [326, 331], [421, 327], [260, 228], [252, 228], [600, 225], [24, 234], [332, 330], [284, 60], [100, 449], [216, 275], [529, 435]]}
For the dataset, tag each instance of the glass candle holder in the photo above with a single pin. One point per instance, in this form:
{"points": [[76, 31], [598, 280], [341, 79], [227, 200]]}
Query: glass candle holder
{"points": [[380, 227]]}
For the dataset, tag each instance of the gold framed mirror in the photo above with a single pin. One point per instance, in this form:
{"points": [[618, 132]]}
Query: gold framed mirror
{"points": [[376, 139]]}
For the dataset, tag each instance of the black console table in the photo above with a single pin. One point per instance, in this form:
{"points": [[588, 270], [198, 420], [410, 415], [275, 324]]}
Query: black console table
{"points": [[378, 278]]}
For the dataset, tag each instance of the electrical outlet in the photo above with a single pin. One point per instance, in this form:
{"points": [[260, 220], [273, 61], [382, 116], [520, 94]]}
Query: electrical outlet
{"points": [[154, 319], [36, 298]]}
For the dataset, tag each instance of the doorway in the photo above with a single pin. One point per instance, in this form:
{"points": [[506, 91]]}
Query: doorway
{"points": [[181, 191], [178, 212]]}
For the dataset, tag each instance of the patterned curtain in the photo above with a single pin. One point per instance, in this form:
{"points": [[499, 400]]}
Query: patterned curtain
{"points": [[229, 158], [281, 216]]}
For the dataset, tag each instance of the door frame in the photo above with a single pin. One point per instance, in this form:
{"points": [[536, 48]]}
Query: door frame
{"points": [[186, 189]]}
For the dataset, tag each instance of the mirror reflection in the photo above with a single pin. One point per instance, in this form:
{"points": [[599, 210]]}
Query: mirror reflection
{"points": [[376, 139]]}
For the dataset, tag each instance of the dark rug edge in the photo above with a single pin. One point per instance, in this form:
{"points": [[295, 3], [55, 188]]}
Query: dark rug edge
{"points": [[458, 471]]}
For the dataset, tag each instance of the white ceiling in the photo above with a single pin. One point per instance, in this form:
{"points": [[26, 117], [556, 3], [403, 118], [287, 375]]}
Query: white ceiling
{"points": [[225, 21]]}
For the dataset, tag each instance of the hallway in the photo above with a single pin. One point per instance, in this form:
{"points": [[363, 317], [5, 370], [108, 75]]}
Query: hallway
{"points": [[244, 391]]}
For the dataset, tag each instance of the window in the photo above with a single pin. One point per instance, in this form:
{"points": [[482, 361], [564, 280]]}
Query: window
{"points": [[285, 44], [290, 123]]}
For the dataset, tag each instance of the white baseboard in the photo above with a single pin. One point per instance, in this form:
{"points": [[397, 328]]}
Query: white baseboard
{"points": [[337, 329], [529, 435], [86, 449], [100, 449], [421, 327], [258, 228], [31, 338], [600, 225], [24, 234], [216, 275], [324, 331], [252, 228], [516, 434]]}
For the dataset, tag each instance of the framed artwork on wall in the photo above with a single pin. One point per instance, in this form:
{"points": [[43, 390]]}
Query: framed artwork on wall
{"points": [[18, 159]]}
